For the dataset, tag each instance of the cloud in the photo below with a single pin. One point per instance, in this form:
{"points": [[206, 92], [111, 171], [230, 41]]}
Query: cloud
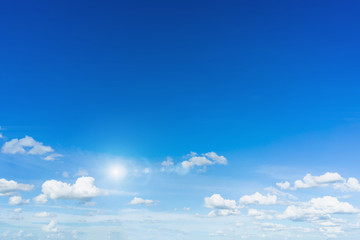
{"points": [[1, 136], [223, 212], [310, 181], [203, 160], [52, 157], [42, 198], [193, 160], [352, 184], [51, 227], [258, 214], [169, 162], [283, 185], [18, 210], [318, 208], [29, 146], [258, 198], [42, 214], [216, 201], [18, 200], [146, 202], [83, 189], [11, 186]]}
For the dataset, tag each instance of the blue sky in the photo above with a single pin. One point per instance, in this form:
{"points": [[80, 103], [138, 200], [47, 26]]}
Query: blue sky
{"points": [[179, 120]]}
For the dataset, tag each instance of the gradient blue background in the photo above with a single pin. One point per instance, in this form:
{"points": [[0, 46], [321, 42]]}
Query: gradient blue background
{"points": [[157, 78]]}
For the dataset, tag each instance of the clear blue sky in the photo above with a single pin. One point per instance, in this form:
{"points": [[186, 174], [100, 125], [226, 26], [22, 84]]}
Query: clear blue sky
{"points": [[273, 86]]}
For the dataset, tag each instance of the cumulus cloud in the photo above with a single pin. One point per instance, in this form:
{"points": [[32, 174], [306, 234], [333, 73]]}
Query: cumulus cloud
{"points": [[193, 160], [18, 200], [29, 146], [218, 202], [318, 208], [146, 202], [310, 181], [258, 198], [283, 185], [83, 189], [352, 184], [8, 187], [42, 198], [51, 227], [203, 160]]}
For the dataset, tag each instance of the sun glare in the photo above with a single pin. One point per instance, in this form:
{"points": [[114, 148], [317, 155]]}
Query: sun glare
{"points": [[117, 172]]}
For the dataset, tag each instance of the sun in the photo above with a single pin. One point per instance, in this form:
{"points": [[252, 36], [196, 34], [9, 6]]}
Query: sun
{"points": [[117, 172]]}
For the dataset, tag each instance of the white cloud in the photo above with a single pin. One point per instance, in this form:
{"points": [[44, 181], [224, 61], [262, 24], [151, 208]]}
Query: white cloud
{"points": [[18, 200], [283, 185], [310, 181], [42, 198], [52, 157], [42, 214], [258, 198], [202, 160], [29, 146], [26, 145], [18, 210], [193, 160], [318, 208], [1, 136], [169, 162], [258, 214], [223, 212], [12, 186], [216, 158], [137, 200], [352, 184], [51, 227], [83, 189], [218, 202]]}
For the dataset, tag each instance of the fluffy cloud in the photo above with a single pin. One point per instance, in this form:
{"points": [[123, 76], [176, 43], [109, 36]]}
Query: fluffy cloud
{"points": [[258, 214], [223, 212], [42, 198], [51, 227], [137, 201], [7, 187], [352, 184], [218, 202], [18, 200], [258, 198], [318, 208], [310, 181], [29, 146], [83, 189], [203, 160], [193, 160]]}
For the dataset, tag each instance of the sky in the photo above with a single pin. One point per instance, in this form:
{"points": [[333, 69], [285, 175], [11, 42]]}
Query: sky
{"points": [[184, 120]]}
